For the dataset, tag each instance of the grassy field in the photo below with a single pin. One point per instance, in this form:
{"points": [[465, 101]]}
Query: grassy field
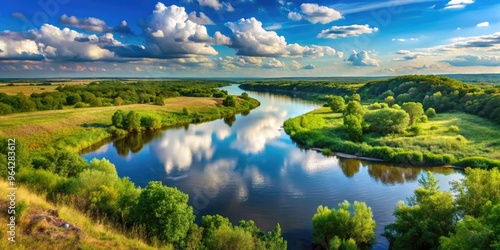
{"points": [[476, 136], [26, 89], [39, 227], [89, 125]]}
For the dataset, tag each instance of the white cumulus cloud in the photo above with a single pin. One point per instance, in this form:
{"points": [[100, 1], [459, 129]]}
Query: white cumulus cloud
{"points": [[345, 31], [170, 33], [319, 14], [202, 19], [251, 39], [294, 16], [362, 58]]}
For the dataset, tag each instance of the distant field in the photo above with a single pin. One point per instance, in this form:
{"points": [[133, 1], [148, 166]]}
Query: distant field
{"points": [[44, 127], [27, 90]]}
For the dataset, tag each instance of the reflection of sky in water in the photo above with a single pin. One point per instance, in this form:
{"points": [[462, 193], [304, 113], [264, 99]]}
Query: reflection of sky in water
{"points": [[252, 170]]}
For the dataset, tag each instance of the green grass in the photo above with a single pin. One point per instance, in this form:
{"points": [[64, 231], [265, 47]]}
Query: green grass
{"points": [[476, 137], [27, 90], [46, 234], [76, 129]]}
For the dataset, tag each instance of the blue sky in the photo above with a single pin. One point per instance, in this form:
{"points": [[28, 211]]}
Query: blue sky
{"points": [[241, 38]]}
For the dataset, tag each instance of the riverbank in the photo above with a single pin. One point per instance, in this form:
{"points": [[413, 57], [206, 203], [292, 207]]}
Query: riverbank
{"points": [[477, 144], [40, 225], [76, 129]]}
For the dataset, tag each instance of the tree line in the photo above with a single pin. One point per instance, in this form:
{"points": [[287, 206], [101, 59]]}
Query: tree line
{"points": [[439, 92], [109, 93]]}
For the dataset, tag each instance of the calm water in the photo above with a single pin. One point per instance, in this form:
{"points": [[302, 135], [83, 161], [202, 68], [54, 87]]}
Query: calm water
{"points": [[248, 168]]}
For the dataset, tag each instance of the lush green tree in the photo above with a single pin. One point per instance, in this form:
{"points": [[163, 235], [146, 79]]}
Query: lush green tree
{"points": [[80, 105], [428, 215], [163, 213], [479, 187], [118, 118], [356, 97], [414, 109], [430, 112], [132, 122], [159, 101], [194, 238], [96, 102], [210, 223], [118, 101], [402, 98], [73, 99], [229, 101], [336, 103], [22, 156], [386, 93], [103, 165], [185, 111], [354, 108], [390, 100], [470, 234], [128, 196], [341, 223], [25, 103], [245, 96], [229, 238], [354, 127], [374, 106], [387, 120], [61, 162], [151, 122]]}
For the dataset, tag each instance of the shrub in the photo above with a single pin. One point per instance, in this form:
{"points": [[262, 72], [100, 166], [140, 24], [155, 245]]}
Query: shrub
{"points": [[348, 222], [354, 128], [430, 112], [159, 101], [326, 151], [478, 162], [374, 106], [245, 96], [151, 122], [132, 122], [79, 105], [416, 130], [336, 103], [118, 118], [229, 101], [453, 129], [434, 127], [423, 119], [387, 120], [163, 212]]}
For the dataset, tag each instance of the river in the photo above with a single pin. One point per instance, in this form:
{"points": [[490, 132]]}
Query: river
{"points": [[249, 168]]}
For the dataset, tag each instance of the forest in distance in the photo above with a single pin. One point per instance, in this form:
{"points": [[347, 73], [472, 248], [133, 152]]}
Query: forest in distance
{"points": [[396, 120]]}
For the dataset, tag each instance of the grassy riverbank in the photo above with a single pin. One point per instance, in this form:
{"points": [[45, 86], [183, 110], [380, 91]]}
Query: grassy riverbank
{"points": [[75, 129], [435, 144], [39, 226]]}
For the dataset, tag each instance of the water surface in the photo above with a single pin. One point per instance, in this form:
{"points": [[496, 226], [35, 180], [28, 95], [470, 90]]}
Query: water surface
{"points": [[248, 168]]}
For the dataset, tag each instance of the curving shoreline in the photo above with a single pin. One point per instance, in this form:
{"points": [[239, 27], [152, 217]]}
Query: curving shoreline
{"points": [[322, 130]]}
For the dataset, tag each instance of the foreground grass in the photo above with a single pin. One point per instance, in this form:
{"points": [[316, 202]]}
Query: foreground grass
{"points": [[38, 228], [476, 137], [76, 129]]}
